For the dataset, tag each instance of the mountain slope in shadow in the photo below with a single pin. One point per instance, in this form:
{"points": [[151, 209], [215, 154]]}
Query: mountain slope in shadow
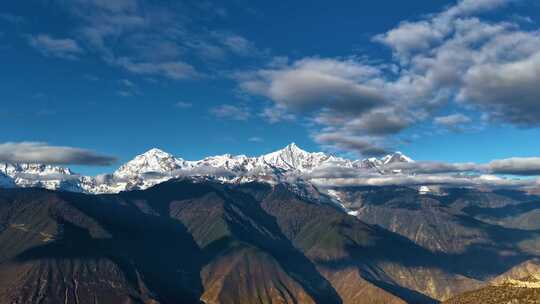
{"points": [[189, 241]]}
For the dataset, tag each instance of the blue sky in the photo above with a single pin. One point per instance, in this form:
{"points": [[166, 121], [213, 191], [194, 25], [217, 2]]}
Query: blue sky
{"points": [[438, 80]]}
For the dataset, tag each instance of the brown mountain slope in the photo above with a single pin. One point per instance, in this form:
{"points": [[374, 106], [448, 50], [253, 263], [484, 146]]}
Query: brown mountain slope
{"points": [[498, 295], [175, 243], [188, 241], [80, 248], [519, 285], [530, 268], [336, 242], [447, 225]]}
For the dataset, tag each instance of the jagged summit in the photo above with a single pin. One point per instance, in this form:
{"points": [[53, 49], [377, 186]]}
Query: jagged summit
{"points": [[293, 157], [293, 148]]}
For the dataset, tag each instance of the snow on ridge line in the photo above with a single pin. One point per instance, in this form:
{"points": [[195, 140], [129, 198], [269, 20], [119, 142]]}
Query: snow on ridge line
{"points": [[156, 166]]}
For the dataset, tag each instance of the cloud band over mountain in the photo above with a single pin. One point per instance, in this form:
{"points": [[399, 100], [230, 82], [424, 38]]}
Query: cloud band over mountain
{"points": [[42, 153]]}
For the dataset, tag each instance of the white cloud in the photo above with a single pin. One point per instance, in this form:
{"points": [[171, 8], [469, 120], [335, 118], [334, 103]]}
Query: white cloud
{"points": [[426, 179], [489, 68], [436, 173], [507, 91], [36, 152], [411, 36], [521, 166], [314, 83]]}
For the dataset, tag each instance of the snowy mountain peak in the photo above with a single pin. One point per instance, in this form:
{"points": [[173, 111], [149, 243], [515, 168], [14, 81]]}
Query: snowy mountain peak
{"points": [[157, 153], [155, 166], [396, 157], [293, 147], [34, 175], [291, 150], [293, 157], [36, 169], [377, 163], [152, 161]]}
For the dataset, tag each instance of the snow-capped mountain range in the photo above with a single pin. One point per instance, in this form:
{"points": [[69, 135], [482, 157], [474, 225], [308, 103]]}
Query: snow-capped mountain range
{"points": [[156, 166]]}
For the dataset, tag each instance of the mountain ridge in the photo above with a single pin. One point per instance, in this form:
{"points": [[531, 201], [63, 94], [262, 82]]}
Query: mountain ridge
{"points": [[155, 166]]}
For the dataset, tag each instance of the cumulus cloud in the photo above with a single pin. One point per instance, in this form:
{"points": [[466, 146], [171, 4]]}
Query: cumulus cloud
{"points": [[451, 58], [232, 112], [491, 66], [348, 99], [410, 36], [55, 47], [36, 152], [507, 91], [313, 83]]}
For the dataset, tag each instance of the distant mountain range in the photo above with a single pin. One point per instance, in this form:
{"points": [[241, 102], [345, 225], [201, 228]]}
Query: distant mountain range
{"points": [[237, 229], [156, 166]]}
